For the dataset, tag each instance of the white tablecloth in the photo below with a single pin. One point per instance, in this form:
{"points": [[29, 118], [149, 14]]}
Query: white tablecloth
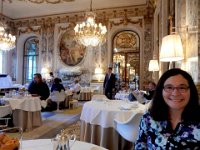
{"points": [[104, 112], [6, 82], [98, 96], [46, 144], [5, 110], [85, 96], [25, 103]]}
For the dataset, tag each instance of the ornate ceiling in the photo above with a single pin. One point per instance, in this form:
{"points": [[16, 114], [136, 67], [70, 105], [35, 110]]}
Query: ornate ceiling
{"points": [[18, 9]]}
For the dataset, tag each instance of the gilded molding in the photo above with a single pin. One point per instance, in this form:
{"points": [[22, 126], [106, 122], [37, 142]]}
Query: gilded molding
{"points": [[45, 1], [36, 30], [61, 28], [102, 16]]}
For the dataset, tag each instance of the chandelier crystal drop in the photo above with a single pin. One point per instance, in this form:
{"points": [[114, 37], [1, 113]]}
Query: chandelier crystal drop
{"points": [[7, 41], [90, 33]]}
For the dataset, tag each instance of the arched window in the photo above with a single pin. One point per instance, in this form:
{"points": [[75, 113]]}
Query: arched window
{"points": [[31, 57], [126, 58]]}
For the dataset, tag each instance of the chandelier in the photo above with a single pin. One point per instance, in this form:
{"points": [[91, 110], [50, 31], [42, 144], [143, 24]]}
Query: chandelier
{"points": [[7, 41], [47, 1], [90, 33]]}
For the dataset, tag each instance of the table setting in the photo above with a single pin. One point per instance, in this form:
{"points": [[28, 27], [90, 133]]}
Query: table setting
{"points": [[62, 141], [97, 125], [26, 111]]}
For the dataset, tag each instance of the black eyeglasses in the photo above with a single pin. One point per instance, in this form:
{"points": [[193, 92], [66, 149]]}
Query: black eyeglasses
{"points": [[181, 89]]}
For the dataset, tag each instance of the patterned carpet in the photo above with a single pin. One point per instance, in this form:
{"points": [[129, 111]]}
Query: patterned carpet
{"points": [[54, 122], [74, 129]]}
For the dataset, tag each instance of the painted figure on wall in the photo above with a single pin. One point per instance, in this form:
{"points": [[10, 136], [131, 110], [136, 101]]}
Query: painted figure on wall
{"points": [[71, 52]]}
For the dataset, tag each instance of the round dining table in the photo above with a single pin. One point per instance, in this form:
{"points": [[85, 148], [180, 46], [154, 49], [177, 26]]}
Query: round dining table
{"points": [[46, 144], [26, 111], [97, 122]]}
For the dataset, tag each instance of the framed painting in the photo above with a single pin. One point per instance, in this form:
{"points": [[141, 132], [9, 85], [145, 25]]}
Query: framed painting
{"points": [[71, 52]]}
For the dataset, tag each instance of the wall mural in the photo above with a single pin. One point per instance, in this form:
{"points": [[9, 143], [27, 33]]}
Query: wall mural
{"points": [[71, 52]]}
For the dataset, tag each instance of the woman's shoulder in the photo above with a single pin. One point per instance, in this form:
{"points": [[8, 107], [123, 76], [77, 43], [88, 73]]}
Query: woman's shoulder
{"points": [[153, 124], [147, 115]]}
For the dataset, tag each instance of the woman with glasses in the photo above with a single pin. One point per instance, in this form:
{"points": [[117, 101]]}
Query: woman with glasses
{"points": [[173, 119]]}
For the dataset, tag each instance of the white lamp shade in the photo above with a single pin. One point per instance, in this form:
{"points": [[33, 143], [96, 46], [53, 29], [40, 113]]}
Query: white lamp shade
{"points": [[44, 70], [153, 65], [171, 48], [98, 70]]}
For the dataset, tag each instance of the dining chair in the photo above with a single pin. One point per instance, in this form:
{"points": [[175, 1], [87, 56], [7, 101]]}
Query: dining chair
{"points": [[4, 123], [58, 97], [128, 129], [76, 95]]}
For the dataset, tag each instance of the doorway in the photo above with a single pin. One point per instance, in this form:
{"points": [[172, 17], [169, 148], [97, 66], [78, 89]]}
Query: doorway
{"points": [[126, 59]]}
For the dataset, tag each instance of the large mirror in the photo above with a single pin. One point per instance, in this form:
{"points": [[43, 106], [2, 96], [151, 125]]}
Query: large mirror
{"points": [[126, 59]]}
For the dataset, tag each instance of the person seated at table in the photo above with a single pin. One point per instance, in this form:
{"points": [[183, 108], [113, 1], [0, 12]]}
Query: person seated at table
{"points": [[57, 85], [38, 87], [75, 87], [51, 79], [172, 120], [151, 91], [124, 89]]}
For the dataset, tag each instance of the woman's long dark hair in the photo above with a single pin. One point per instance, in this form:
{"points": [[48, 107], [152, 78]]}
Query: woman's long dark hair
{"points": [[159, 109]]}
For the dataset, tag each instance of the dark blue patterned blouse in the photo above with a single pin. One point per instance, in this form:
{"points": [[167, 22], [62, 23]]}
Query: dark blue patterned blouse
{"points": [[159, 135]]}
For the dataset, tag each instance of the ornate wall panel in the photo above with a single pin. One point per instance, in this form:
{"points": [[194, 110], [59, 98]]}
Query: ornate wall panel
{"points": [[45, 27]]}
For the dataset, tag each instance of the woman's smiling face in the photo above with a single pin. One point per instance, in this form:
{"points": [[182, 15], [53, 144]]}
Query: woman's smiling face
{"points": [[176, 92]]}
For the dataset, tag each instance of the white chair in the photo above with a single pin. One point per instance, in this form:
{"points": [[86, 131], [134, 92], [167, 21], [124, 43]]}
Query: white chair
{"points": [[76, 95], [129, 129], [58, 97], [4, 122], [73, 103], [5, 110]]}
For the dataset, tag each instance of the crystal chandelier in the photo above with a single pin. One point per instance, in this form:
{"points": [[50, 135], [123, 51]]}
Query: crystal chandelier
{"points": [[90, 33], [7, 41]]}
